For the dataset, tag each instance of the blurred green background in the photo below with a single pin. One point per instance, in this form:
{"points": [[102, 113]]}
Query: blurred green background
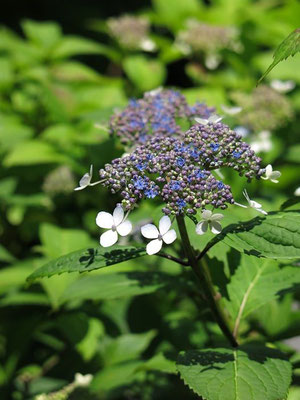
{"points": [[64, 69]]}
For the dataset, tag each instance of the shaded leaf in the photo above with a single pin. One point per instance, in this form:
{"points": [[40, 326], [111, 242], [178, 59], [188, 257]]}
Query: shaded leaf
{"points": [[24, 299], [116, 285], [250, 372], [88, 260], [159, 362], [126, 347], [256, 282], [289, 47], [289, 203], [115, 376]]}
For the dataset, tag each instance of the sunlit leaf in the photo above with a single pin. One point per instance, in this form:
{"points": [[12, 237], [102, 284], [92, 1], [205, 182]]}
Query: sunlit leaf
{"points": [[88, 260], [289, 47], [250, 372]]}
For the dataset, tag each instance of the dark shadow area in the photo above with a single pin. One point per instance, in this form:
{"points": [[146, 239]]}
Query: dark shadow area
{"points": [[214, 359]]}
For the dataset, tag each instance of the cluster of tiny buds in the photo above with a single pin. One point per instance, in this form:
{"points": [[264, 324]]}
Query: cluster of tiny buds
{"points": [[179, 170], [131, 32], [164, 112], [199, 36], [264, 109]]}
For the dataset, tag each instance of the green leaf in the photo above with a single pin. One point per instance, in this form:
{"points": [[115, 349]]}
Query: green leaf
{"points": [[5, 256], [70, 46], [12, 133], [275, 236], [256, 282], [289, 203], [82, 331], [33, 152], [289, 47], [250, 372], [159, 362], [24, 299], [174, 12], [116, 285], [115, 376], [43, 34], [57, 241], [88, 260], [126, 347], [293, 154], [146, 74]]}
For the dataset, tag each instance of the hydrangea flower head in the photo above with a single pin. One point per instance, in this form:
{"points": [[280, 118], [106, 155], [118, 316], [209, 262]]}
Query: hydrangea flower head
{"points": [[263, 109], [159, 111], [178, 169], [131, 32]]}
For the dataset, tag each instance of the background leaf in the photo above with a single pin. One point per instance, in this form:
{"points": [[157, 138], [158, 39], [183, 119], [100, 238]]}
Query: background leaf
{"points": [[145, 73]]}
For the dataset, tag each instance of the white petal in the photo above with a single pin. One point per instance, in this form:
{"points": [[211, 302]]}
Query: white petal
{"points": [[149, 231], [216, 217], [255, 204], [85, 180], [269, 170], [170, 236], [201, 121], [214, 119], [118, 215], [242, 131], [215, 227], [164, 224], [104, 220], [154, 246], [91, 171], [275, 175], [282, 86], [124, 228], [201, 227], [206, 214], [231, 110], [297, 192], [108, 238]]}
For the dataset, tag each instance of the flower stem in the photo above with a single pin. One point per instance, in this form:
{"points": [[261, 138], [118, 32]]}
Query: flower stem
{"points": [[202, 273]]}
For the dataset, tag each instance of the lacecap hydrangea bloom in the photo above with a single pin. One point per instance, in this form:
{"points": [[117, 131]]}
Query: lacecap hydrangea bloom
{"points": [[131, 32], [178, 169], [200, 36], [264, 109], [160, 111]]}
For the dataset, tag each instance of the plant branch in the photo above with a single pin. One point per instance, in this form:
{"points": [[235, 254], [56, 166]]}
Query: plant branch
{"points": [[202, 273], [172, 258]]}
